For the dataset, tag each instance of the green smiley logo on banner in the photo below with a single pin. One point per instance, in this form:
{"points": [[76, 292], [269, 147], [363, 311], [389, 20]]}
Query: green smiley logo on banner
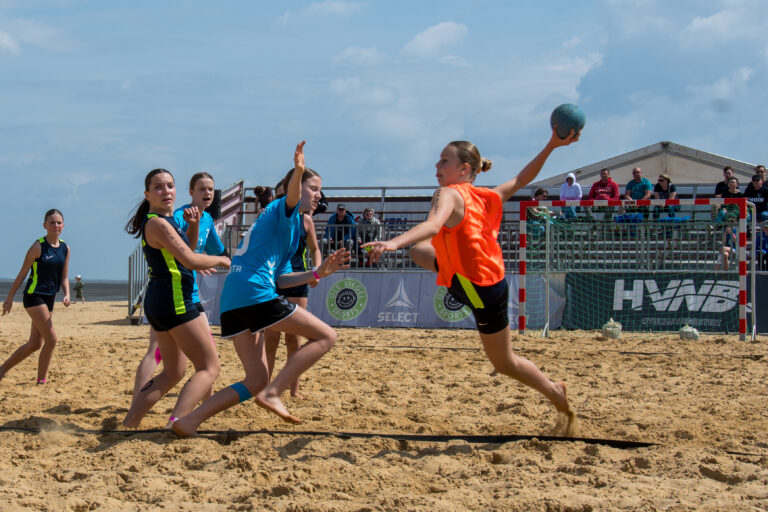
{"points": [[448, 308], [346, 299]]}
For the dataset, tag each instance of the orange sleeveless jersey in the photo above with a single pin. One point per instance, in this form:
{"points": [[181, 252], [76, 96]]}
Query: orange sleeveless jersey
{"points": [[471, 248]]}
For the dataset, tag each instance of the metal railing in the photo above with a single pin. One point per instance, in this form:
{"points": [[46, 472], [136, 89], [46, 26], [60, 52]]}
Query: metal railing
{"points": [[605, 241], [138, 276]]}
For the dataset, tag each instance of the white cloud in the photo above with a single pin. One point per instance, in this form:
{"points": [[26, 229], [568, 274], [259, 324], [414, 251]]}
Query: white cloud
{"points": [[725, 92], [327, 9], [722, 26], [454, 60], [354, 91], [8, 44], [360, 56], [627, 19], [435, 39], [571, 43], [578, 66], [343, 86], [21, 32]]}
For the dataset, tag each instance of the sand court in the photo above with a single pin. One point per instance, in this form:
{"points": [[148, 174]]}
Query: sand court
{"points": [[700, 405]]}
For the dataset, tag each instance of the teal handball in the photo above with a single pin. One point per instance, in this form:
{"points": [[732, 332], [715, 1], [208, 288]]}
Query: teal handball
{"points": [[567, 117]]}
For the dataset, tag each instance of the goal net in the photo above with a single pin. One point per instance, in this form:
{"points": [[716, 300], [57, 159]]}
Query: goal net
{"points": [[653, 265]]}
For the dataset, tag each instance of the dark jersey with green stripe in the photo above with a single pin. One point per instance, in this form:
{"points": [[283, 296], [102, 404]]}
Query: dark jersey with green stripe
{"points": [[169, 291], [299, 259], [46, 272]]}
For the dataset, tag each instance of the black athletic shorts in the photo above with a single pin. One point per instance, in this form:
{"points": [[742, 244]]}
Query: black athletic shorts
{"points": [[295, 292], [35, 299], [161, 323], [489, 304], [256, 317]]}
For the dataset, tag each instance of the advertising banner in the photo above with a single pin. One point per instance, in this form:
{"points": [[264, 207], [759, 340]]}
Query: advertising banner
{"points": [[651, 302], [403, 299], [366, 299]]}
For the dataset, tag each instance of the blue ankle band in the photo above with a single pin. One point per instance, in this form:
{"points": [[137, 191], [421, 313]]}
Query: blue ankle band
{"points": [[241, 391]]}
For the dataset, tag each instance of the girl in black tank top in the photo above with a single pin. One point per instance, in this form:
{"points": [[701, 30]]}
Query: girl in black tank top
{"points": [[181, 332], [47, 264]]}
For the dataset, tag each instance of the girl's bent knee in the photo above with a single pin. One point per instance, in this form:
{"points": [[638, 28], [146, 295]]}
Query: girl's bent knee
{"points": [[214, 369]]}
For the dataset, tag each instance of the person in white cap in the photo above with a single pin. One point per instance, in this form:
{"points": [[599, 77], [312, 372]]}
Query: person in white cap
{"points": [[79, 289], [570, 191]]}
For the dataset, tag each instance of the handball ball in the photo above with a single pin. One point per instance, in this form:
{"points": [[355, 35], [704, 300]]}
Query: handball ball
{"points": [[567, 117]]}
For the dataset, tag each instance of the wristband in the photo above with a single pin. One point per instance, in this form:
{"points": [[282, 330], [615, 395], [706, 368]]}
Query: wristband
{"points": [[315, 274]]}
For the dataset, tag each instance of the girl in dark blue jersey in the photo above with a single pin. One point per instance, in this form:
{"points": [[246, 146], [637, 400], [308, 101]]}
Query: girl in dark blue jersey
{"points": [[250, 302], [181, 331], [47, 262], [203, 238]]}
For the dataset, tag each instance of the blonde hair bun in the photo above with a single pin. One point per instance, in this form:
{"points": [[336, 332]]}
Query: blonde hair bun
{"points": [[486, 165]]}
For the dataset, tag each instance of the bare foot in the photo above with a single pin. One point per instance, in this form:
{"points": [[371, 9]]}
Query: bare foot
{"points": [[131, 423], [297, 396], [273, 403], [560, 401], [182, 429]]}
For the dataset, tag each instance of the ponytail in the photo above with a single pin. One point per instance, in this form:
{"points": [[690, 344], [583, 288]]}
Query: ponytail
{"points": [[133, 227]]}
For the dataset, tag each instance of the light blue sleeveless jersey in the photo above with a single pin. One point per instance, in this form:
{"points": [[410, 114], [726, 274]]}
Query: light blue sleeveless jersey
{"points": [[208, 241], [264, 253]]}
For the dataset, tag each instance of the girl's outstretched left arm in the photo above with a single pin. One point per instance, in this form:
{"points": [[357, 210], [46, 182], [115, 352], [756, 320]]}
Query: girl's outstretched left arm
{"points": [[445, 202], [335, 261]]}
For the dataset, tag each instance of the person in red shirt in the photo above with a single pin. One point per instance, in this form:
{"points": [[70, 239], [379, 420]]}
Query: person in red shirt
{"points": [[606, 188], [459, 241]]}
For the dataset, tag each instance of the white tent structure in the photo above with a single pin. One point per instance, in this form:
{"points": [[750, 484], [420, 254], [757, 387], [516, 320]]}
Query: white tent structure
{"points": [[684, 165]]}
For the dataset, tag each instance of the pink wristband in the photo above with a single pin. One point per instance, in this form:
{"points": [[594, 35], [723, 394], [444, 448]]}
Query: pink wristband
{"points": [[315, 274]]}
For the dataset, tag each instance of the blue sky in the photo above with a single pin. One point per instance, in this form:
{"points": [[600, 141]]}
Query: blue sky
{"points": [[94, 94]]}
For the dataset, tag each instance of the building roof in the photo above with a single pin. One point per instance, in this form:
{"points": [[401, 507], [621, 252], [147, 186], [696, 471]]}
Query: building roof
{"points": [[681, 163]]}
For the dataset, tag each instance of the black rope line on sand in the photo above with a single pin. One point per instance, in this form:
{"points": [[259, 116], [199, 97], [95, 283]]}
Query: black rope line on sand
{"points": [[435, 438]]}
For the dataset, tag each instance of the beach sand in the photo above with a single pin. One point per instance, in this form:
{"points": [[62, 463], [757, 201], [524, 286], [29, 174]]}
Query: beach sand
{"points": [[703, 404]]}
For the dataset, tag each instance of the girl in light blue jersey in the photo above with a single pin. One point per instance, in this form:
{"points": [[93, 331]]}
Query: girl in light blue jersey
{"points": [[203, 239], [250, 303], [47, 263], [307, 256]]}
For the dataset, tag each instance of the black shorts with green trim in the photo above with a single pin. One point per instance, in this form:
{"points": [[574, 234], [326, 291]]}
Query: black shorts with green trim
{"points": [[162, 323], [489, 304], [31, 300]]}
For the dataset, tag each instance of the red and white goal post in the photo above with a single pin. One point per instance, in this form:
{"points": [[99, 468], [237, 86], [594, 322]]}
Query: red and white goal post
{"points": [[652, 265]]}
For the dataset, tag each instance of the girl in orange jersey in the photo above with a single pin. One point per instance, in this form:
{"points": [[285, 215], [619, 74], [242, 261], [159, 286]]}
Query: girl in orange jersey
{"points": [[458, 241]]}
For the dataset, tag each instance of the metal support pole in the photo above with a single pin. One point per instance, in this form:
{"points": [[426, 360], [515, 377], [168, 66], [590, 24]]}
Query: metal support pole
{"points": [[547, 230]]}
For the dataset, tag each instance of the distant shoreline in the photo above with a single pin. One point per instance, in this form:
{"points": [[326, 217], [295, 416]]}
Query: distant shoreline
{"points": [[96, 290]]}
